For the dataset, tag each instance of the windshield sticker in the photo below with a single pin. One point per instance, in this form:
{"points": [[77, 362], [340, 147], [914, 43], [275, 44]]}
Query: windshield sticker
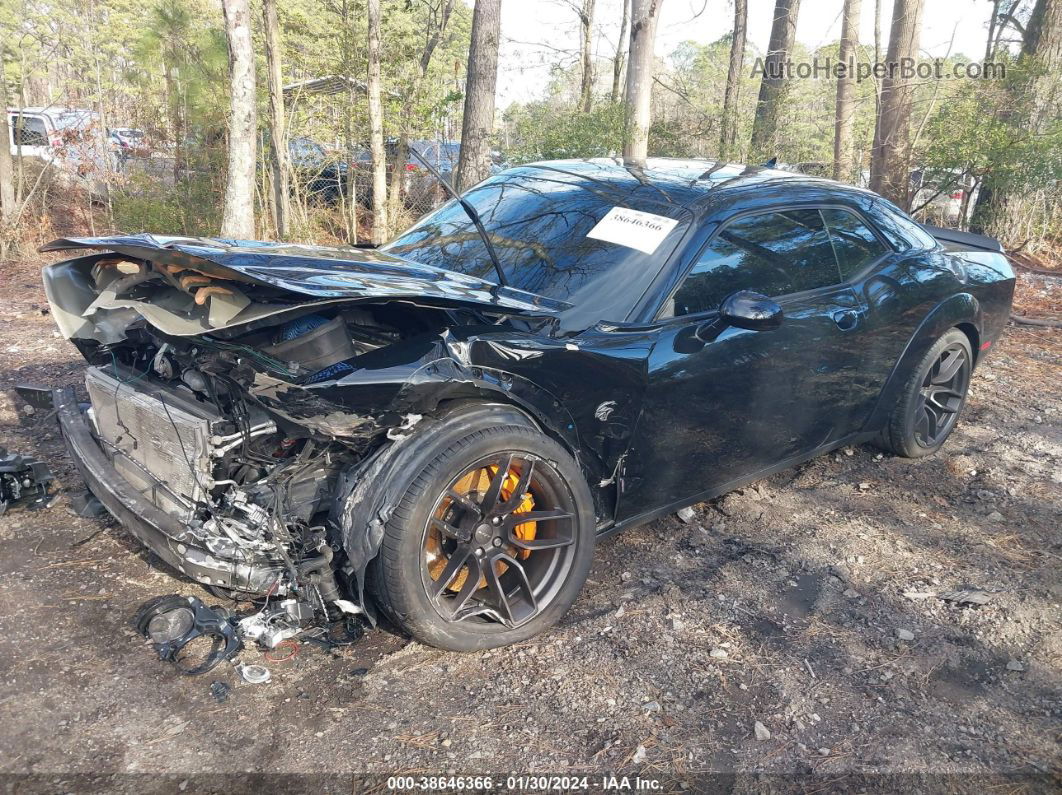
{"points": [[633, 229]]}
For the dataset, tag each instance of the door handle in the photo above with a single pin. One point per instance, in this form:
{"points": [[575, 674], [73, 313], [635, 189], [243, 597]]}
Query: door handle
{"points": [[846, 319]]}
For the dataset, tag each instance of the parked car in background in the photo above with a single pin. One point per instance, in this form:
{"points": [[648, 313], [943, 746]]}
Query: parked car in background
{"points": [[319, 172], [813, 168], [327, 175], [71, 140], [422, 189], [48, 133], [129, 142], [944, 196]]}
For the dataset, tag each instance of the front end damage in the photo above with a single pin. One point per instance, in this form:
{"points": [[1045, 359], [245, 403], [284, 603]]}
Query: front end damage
{"points": [[238, 392]]}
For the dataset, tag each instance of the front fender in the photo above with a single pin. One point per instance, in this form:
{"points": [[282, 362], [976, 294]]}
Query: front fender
{"points": [[368, 492]]}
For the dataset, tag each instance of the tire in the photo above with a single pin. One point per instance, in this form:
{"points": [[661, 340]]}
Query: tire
{"points": [[931, 400], [416, 555]]}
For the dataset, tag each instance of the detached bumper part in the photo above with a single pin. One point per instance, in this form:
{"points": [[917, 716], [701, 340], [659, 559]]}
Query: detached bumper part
{"points": [[157, 530]]}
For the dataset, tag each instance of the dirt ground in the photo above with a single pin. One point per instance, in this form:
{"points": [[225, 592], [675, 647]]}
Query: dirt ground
{"points": [[810, 603]]}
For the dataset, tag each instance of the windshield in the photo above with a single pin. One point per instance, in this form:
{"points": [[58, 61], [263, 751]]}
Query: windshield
{"points": [[556, 234]]}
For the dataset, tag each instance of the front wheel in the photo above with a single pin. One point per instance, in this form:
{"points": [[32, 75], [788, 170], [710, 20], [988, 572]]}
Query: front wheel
{"points": [[933, 397], [490, 543]]}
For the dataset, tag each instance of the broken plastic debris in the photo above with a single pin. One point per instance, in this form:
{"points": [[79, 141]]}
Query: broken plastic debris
{"points": [[254, 674], [24, 482], [220, 691]]}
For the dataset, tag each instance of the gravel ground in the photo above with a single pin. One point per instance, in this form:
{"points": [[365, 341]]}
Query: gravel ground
{"points": [[792, 629]]}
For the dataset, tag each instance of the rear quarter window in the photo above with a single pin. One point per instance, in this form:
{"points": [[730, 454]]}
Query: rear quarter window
{"points": [[901, 232], [854, 243]]}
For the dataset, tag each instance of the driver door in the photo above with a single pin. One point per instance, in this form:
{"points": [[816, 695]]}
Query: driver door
{"points": [[724, 403]]}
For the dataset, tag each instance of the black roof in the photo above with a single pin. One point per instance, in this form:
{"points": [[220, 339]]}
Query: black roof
{"points": [[685, 183]]}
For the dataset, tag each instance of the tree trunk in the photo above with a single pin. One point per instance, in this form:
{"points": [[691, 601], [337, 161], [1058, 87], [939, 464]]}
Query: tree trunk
{"points": [[376, 139], [728, 133], [1040, 62], [644, 16], [621, 50], [586, 89], [843, 166], [238, 216], [478, 124], [992, 21], [890, 165], [173, 99], [278, 133], [432, 37], [774, 86], [7, 168]]}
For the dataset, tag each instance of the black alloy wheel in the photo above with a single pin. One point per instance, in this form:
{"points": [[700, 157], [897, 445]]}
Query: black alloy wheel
{"points": [[500, 541], [491, 535], [933, 397], [943, 393]]}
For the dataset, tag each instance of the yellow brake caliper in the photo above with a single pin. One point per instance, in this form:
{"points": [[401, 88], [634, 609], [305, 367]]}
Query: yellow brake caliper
{"points": [[479, 480]]}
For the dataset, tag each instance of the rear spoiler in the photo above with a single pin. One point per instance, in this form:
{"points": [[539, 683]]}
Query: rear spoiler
{"points": [[953, 238]]}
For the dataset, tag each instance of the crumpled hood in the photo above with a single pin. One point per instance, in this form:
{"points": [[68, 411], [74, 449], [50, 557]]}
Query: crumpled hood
{"points": [[320, 272]]}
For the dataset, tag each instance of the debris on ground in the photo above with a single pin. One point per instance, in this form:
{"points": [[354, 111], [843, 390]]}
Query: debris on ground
{"points": [[686, 515], [24, 483], [253, 674], [967, 597], [220, 691], [947, 702], [175, 624], [762, 732]]}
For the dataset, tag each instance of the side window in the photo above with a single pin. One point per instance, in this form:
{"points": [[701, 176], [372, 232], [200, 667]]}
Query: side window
{"points": [[773, 253], [853, 242], [28, 131]]}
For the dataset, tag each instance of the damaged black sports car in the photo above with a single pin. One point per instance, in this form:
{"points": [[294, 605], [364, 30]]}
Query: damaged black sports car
{"points": [[443, 427]]}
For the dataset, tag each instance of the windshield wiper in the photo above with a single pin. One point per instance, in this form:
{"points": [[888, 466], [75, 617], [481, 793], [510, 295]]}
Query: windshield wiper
{"points": [[470, 211]]}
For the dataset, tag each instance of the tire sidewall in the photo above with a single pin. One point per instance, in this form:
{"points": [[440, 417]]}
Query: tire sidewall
{"points": [[400, 571], [903, 431]]}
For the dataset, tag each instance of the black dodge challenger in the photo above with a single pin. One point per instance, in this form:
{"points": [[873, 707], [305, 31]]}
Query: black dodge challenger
{"points": [[443, 427]]}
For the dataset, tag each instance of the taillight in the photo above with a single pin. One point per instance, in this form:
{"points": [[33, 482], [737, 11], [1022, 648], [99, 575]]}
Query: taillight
{"points": [[411, 167], [56, 142], [957, 195]]}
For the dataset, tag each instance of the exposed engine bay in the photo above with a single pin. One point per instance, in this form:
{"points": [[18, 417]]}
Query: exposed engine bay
{"points": [[240, 408], [252, 406], [178, 418]]}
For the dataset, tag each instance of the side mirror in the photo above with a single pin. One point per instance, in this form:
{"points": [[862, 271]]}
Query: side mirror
{"points": [[746, 309]]}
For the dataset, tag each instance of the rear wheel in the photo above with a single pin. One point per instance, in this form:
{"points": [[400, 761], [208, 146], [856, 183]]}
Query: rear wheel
{"points": [[490, 543], [932, 399]]}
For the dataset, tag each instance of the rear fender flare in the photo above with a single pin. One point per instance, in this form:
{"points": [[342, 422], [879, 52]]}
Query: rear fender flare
{"points": [[962, 308]]}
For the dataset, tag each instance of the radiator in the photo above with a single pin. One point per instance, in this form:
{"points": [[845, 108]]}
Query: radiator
{"points": [[157, 437]]}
